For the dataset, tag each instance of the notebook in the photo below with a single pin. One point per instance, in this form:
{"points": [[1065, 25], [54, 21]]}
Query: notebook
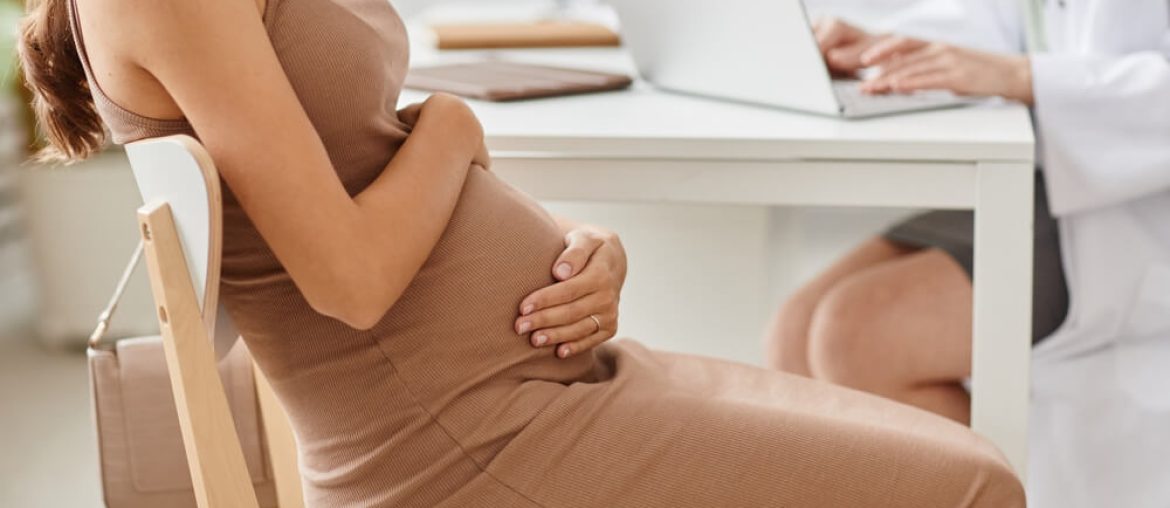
{"points": [[495, 80], [541, 34]]}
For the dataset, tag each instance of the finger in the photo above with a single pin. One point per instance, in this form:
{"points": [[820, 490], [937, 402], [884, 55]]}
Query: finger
{"points": [[823, 31], [891, 81], [561, 334], [938, 80], [886, 49], [560, 293], [580, 245], [561, 315], [830, 33], [904, 60], [899, 82], [410, 114], [847, 57], [596, 339]]}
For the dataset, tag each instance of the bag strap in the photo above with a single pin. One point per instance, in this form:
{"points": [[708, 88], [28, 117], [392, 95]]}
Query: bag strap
{"points": [[104, 318]]}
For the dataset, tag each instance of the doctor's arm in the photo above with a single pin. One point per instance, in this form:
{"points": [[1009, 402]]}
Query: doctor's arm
{"points": [[908, 65], [1103, 120], [970, 47], [988, 25]]}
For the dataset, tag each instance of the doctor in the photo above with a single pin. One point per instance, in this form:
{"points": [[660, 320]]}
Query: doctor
{"points": [[1098, 78]]}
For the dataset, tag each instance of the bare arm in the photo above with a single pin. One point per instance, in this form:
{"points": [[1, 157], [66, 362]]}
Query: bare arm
{"points": [[351, 257], [907, 64]]}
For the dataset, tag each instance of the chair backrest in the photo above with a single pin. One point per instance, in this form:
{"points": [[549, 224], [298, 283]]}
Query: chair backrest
{"points": [[177, 170], [181, 225]]}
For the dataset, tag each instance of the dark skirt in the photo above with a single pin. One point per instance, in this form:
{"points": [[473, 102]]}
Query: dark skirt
{"points": [[954, 231]]}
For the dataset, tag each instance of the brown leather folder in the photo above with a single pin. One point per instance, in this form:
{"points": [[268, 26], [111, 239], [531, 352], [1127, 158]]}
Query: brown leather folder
{"points": [[508, 81], [541, 34]]}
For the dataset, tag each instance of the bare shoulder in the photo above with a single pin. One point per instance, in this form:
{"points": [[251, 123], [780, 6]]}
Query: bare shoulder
{"points": [[135, 24], [124, 39]]}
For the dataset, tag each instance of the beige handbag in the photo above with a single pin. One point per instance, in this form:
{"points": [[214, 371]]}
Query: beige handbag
{"points": [[143, 463]]}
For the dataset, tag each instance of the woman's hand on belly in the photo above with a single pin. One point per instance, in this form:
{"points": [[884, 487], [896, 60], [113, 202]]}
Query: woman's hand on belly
{"points": [[581, 310]]}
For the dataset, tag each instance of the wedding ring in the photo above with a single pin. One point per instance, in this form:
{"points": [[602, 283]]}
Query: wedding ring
{"points": [[596, 321]]}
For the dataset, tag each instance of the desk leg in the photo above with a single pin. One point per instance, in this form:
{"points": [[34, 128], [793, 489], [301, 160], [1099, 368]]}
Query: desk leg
{"points": [[1002, 348]]}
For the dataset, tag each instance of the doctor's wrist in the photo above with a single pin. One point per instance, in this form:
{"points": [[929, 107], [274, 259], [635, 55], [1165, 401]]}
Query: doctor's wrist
{"points": [[1020, 79]]}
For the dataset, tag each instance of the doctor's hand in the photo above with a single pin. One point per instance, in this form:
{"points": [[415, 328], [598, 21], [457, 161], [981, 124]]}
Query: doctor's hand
{"points": [[580, 311], [909, 65], [842, 45]]}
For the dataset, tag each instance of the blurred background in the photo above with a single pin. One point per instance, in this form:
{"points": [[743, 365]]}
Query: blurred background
{"points": [[702, 278]]}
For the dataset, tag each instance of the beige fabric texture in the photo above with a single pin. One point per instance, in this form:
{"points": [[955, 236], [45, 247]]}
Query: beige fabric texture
{"points": [[442, 404]]}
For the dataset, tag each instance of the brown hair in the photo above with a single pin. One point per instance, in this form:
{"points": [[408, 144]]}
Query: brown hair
{"points": [[62, 101]]}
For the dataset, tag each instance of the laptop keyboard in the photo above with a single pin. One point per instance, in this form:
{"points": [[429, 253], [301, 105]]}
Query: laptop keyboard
{"points": [[856, 102]]}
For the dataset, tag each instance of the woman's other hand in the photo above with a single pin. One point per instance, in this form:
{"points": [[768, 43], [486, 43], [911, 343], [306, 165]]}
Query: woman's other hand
{"points": [[410, 114], [842, 45], [449, 105], [908, 65], [581, 310]]}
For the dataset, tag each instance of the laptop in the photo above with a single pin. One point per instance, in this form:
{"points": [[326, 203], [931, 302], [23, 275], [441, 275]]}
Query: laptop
{"points": [[753, 51]]}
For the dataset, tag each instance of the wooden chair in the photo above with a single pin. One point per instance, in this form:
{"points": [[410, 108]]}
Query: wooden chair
{"points": [[181, 226]]}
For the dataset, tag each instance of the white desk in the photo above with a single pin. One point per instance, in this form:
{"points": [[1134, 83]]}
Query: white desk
{"points": [[647, 146]]}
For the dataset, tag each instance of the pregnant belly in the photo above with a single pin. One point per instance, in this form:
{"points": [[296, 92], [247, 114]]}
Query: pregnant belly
{"points": [[451, 337], [452, 332], [444, 363]]}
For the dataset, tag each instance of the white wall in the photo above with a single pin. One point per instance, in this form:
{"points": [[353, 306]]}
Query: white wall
{"points": [[15, 280], [82, 230], [16, 285]]}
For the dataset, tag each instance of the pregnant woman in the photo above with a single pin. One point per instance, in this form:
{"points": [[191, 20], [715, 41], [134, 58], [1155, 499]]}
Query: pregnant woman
{"points": [[424, 324]]}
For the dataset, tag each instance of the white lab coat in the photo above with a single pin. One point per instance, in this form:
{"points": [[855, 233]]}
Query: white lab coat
{"points": [[1100, 429]]}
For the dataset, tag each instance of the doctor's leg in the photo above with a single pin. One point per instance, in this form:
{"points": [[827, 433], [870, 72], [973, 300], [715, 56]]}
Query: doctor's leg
{"points": [[886, 319], [900, 329], [787, 337]]}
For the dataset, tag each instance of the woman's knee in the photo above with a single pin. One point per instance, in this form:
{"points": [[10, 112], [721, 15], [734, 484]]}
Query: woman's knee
{"points": [[968, 468]]}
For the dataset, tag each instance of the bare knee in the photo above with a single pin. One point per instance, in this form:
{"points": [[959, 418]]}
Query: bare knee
{"points": [[845, 336], [788, 335]]}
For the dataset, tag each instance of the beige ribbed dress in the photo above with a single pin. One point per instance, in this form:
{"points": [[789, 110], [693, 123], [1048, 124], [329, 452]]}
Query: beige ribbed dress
{"points": [[442, 404]]}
